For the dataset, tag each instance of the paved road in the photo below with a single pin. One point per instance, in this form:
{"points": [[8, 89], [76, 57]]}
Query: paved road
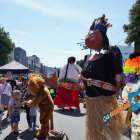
{"points": [[72, 122]]}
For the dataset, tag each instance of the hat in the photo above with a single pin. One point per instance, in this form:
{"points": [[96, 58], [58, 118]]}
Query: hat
{"points": [[16, 92]]}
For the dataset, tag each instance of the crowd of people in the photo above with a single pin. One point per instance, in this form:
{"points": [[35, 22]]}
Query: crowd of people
{"points": [[98, 83], [13, 96]]}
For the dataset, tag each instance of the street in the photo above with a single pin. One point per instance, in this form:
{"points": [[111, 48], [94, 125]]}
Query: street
{"points": [[71, 122]]}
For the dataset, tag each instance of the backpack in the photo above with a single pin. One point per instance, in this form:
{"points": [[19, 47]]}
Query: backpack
{"points": [[55, 135]]}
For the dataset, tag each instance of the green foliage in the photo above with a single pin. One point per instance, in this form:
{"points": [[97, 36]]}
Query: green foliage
{"points": [[80, 63], [133, 29], [6, 46]]}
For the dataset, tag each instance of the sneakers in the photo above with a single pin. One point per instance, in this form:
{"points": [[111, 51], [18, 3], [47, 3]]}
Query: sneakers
{"points": [[34, 128], [37, 126], [0, 131], [30, 129], [15, 133]]}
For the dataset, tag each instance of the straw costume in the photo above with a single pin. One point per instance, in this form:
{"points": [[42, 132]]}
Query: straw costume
{"points": [[102, 75], [45, 103]]}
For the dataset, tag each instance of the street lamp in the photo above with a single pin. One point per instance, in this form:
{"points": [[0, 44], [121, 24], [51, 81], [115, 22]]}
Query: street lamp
{"points": [[84, 46]]}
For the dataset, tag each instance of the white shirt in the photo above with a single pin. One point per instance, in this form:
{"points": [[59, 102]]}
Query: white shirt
{"points": [[6, 90], [72, 73]]}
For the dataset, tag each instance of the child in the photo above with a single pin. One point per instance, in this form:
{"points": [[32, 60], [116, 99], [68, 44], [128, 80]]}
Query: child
{"points": [[33, 113], [16, 111], [0, 116], [10, 106]]}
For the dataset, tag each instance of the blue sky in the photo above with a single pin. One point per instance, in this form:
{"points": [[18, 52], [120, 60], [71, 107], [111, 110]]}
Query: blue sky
{"points": [[51, 29]]}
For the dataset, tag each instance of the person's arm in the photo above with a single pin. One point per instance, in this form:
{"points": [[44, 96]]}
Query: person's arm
{"points": [[35, 101], [14, 85]]}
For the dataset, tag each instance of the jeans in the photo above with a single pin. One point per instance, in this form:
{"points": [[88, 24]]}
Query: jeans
{"points": [[27, 114], [32, 121]]}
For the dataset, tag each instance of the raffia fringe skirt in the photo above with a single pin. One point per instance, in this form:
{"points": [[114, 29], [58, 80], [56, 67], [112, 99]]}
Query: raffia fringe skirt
{"points": [[95, 128]]}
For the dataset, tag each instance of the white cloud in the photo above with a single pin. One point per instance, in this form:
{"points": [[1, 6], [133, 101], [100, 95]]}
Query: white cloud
{"points": [[53, 9], [18, 31], [69, 52]]}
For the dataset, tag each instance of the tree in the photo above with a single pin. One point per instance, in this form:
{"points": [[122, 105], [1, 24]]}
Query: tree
{"points": [[6, 46], [133, 29], [80, 63]]}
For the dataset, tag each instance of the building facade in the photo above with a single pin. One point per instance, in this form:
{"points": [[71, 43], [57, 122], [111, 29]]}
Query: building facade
{"points": [[19, 55], [34, 64]]}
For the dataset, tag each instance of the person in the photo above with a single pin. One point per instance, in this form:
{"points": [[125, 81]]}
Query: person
{"points": [[0, 116], [68, 78], [16, 104], [131, 73], [10, 106], [5, 92], [33, 114], [102, 76], [11, 81], [28, 96]]}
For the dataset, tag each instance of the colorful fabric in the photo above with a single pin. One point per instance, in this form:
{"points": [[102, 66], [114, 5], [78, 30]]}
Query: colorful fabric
{"points": [[135, 120], [67, 98], [131, 69], [101, 84], [69, 85], [15, 108], [135, 135]]}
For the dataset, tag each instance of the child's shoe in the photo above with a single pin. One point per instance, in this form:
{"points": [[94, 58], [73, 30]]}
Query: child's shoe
{"points": [[31, 129]]}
